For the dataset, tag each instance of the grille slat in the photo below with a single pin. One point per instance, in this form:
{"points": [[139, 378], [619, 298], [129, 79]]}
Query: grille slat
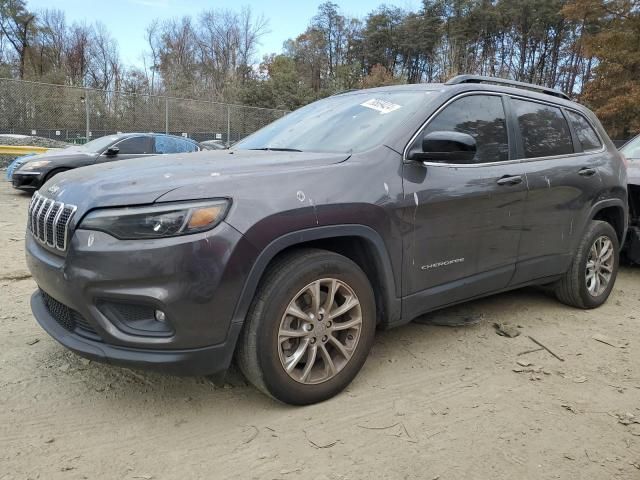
{"points": [[42, 218], [51, 218], [49, 221], [33, 217]]}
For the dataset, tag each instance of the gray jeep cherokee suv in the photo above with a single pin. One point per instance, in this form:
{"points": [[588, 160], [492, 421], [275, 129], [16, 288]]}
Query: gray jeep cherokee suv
{"points": [[360, 211]]}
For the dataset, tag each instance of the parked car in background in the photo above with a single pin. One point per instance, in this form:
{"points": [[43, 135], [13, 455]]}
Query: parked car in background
{"points": [[360, 211], [34, 171], [631, 151], [213, 145], [17, 162]]}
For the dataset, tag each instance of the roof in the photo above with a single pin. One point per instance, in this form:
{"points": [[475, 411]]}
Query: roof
{"points": [[153, 134]]}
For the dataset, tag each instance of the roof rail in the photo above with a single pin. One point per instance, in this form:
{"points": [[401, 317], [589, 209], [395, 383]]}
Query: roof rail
{"points": [[503, 81]]}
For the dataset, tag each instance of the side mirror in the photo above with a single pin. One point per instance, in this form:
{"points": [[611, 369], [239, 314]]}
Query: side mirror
{"points": [[112, 151], [445, 147]]}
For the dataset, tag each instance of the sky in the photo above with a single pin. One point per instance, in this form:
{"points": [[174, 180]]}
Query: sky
{"points": [[128, 19]]}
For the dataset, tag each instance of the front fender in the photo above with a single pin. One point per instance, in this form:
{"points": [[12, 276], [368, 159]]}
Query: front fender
{"points": [[388, 280]]}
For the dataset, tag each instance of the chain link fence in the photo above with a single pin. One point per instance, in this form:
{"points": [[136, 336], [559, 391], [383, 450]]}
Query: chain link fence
{"points": [[72, 114]]}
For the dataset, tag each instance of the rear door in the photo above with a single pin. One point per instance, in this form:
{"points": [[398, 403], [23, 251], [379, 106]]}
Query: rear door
{"points": [[563, 153], [464, 219]]}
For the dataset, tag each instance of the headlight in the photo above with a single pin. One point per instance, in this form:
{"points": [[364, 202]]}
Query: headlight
{"points": [[35, 165], [157, 221]]}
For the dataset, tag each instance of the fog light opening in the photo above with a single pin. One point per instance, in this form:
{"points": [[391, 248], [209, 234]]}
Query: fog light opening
{"points": [[160, 316]]}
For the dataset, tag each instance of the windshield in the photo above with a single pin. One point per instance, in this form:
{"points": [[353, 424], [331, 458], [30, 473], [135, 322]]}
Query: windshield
{"points": [[632, 149], [352, 122], [98, 145]]}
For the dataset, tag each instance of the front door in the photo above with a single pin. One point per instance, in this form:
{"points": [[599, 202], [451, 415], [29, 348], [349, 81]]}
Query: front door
{"points": [[132, 147], [464, 220]]}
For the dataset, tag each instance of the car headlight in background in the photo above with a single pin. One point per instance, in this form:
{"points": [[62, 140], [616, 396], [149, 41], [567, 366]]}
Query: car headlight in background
{"points": [[157, 221], [35, 165]]}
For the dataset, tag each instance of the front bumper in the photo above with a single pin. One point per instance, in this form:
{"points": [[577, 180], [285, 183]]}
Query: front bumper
{"points": [[27, 181], [197, 361], [95, 299]]}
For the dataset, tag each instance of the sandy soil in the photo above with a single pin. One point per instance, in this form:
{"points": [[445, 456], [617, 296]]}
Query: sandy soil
{"points": [[431, 402]]}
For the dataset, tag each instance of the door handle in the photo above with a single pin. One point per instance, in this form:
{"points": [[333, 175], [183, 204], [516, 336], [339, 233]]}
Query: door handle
{"points": [[587, 172], [509, 180]]}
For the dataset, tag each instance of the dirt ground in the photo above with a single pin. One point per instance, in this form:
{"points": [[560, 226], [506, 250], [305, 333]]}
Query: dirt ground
{"points": [[431, 402]]}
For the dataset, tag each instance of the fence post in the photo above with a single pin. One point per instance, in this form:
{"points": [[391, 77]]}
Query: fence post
{"points": [[166, 115], [87, 112], [228, 126]]}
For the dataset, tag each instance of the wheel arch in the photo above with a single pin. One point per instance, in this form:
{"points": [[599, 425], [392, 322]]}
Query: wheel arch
{"points": [[55, 171], [360, 243], [614, 213]]}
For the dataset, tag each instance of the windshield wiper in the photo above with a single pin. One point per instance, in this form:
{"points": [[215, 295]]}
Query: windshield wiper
{"points": [[276, 149]]}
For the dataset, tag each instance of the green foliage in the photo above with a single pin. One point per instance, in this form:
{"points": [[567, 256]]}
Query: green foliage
{"points": [[279, 87]]}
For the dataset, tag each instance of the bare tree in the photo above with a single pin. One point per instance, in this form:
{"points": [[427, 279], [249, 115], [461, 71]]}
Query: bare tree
{"points": [[251, 31], [104, 67], [17, 26], [77, 54], [50, 42], [177, 55], [151, 35]]}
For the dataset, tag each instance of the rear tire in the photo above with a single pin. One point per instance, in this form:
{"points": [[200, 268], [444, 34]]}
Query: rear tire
{"points": [[593, 271], [312, 355]]}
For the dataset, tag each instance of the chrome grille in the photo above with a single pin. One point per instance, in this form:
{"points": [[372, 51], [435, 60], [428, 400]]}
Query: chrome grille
{"points": [[49, 221]]}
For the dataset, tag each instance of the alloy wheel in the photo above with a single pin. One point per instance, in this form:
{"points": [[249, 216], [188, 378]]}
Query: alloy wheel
{"points": [[319, 331], [599, 266]]}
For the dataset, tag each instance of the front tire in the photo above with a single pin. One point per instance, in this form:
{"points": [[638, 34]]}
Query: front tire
{"points": [[310, 327], [593, 272]]}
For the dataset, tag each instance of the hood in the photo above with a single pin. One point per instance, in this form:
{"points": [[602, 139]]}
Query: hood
{"points": [[205, 174], [65, 154]]}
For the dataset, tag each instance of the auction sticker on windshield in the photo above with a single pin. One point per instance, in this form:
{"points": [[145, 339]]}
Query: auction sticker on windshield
{"points": [[380, 106]]}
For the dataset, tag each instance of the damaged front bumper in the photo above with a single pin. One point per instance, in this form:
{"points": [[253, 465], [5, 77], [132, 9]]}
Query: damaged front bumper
{"points": [[102, 298], [195, 361]]}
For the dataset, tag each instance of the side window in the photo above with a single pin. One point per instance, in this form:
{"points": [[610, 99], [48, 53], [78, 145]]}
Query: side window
{"points": [[482, 117], [586, 134], [165, 144], [134, 146], [544, 130]]}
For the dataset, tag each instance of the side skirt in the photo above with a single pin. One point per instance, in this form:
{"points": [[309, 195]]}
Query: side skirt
{"points": [[418, 304]]}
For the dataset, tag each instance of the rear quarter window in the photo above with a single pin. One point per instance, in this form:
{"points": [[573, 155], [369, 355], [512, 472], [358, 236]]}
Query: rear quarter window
{"points": [[544, 130], [586, 134]]}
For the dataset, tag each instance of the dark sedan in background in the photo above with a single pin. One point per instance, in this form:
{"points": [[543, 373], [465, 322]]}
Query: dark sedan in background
{"points": [[213, 145], [37, 169]]}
